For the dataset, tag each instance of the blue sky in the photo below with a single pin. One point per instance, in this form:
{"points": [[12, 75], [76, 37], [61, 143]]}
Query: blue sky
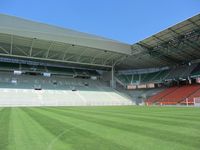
{"points": [[124, 20]]}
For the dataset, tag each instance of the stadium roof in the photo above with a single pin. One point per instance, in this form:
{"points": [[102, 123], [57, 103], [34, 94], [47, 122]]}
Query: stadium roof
{"points": [[21, 38], [28, 39], [175, 45]]}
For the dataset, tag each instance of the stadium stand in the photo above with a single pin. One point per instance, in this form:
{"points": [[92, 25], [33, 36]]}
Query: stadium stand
{"points": [[179, 94], [9, 66], [139, 95], [56, 66], [143, 78], [160, 76], [158, 96], [56, 91], [174, 95], [196, 71], [180, 72], [190, 100]]}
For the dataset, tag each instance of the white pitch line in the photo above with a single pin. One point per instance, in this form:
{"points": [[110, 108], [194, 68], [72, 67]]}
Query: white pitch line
{"points": [[57, 137]]}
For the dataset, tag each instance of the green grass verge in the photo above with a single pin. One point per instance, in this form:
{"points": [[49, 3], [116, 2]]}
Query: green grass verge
{"points": [[100, 128]]}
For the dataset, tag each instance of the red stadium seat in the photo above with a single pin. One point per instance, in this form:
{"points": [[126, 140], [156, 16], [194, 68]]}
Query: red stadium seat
{"points": [[176, 95]]}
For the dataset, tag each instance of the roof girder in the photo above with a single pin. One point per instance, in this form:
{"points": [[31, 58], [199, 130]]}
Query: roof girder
{"points": [[49, 53]]}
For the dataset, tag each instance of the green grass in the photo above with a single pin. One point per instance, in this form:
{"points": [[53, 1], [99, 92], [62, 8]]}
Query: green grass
{"points": [[100, 128]]}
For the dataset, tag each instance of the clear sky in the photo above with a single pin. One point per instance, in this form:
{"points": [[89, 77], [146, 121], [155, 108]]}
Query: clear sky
{"points": [[124, 20]]}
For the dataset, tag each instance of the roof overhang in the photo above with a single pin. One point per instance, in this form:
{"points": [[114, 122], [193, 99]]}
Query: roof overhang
{"points": [[20, 38], [176, 45], [25, 28], [26, 39]]}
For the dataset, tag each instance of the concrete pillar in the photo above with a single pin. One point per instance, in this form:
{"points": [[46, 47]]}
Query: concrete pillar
{"points": [[112, 77]]}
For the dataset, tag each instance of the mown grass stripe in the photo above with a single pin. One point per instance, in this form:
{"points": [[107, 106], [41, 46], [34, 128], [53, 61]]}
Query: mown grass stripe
{"points": [[145, 118], [156, 123], [39, 137], [111, 134], [120, 128], [147, 112], [170, 136], [4, 128], [125, 137], [78, 138]]}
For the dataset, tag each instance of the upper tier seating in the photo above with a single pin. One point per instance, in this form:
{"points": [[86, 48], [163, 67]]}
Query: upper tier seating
{"points": [[6, 66], [58, 70], [125, 78], [180, 72], [143, 78], [196, 71], [26, 67], [174, 73]]}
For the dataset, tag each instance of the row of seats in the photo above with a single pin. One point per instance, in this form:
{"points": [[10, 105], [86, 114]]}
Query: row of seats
{"points": [[175, 95], [158, 96], [55, 70], [53, 82], [181, 72], [190, 99], [57, 91], [196, 71], [173, 73], [28, 97], [143, 78]]}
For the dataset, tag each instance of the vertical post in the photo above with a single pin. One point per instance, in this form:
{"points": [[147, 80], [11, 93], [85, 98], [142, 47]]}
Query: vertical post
{"points": [[132, 79], [187, 101], [11, 44], [112, 77], [139, 78]]}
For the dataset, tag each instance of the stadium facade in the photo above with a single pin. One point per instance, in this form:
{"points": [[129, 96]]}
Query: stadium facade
{"points": [[44, 65]]}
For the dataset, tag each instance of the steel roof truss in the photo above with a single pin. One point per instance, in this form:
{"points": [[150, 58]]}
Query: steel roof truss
{"points": [[79, 57], [21, 50], [185, 41], [49, 48], [31, 47], [4, 50]]}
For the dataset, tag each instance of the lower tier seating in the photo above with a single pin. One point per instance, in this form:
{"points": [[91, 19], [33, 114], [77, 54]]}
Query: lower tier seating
{"points": [[175, 95], [37, 90], [160, 95], [190, 99]]}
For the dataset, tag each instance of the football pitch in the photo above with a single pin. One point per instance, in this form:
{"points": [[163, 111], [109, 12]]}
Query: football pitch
{"points": [[100, 128]]}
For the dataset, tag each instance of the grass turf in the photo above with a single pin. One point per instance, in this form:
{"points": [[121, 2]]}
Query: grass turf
{"points": [[100, 128]]}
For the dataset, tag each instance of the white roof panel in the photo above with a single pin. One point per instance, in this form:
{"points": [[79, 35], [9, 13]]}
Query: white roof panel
{"points": [[21, 27]]}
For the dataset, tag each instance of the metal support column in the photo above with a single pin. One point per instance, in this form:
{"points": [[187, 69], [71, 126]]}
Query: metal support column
{"points": [[113, 77]]}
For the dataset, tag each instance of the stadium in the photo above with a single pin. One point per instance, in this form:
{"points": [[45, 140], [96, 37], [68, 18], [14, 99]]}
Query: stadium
{"points": [[64, 89]]}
